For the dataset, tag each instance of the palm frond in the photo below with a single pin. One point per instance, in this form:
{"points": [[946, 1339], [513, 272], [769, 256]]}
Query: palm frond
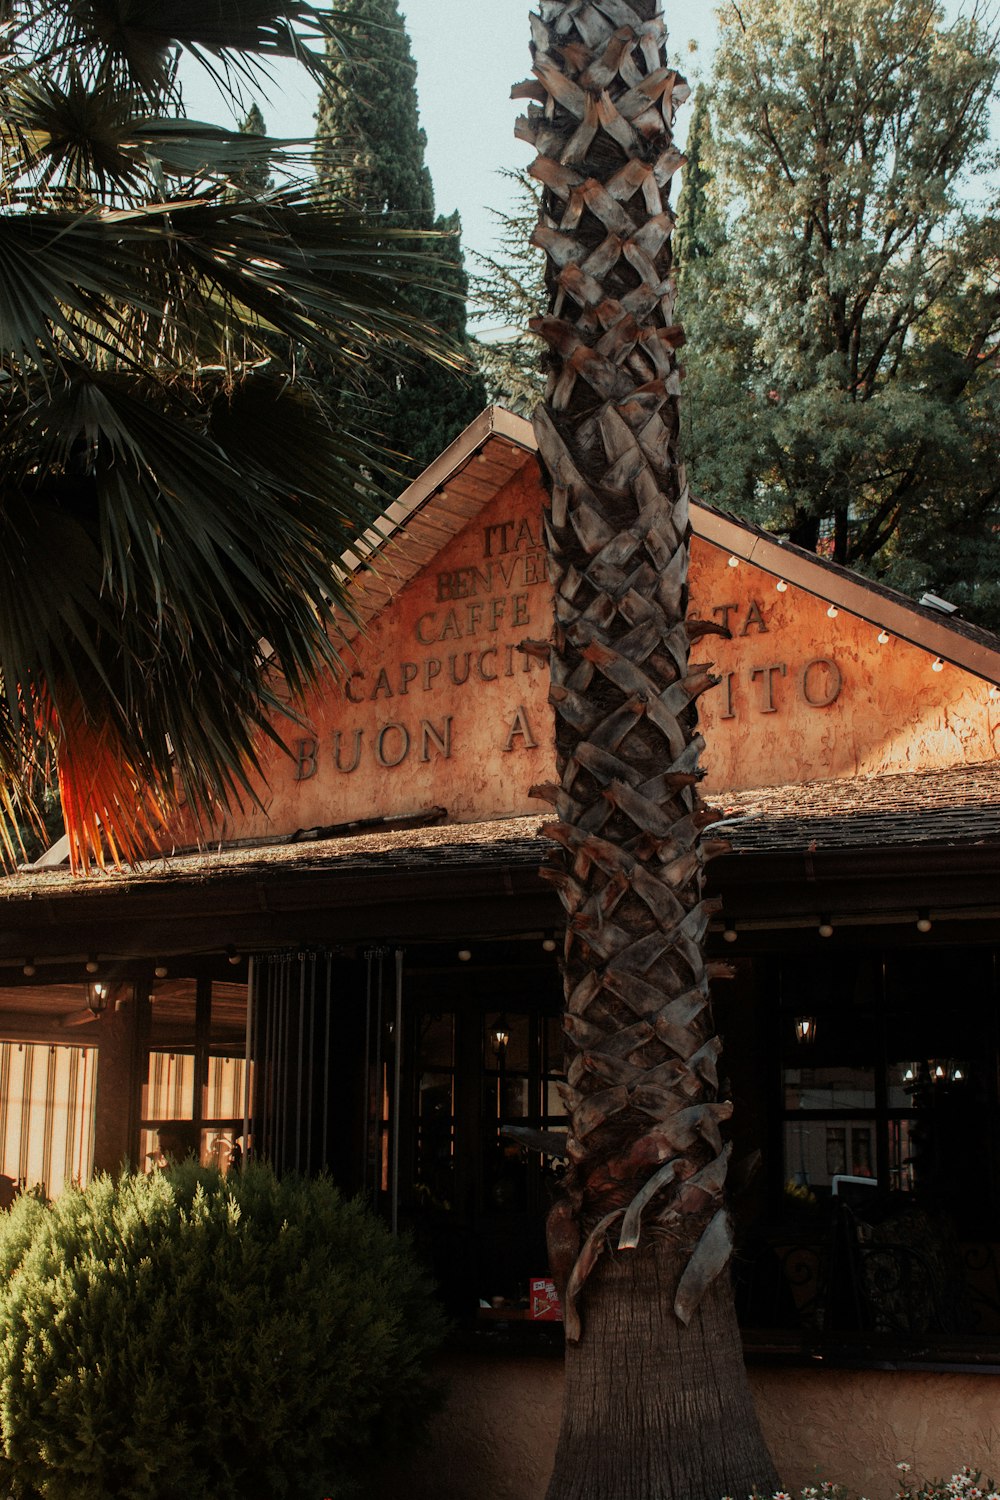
{"points": [[215, 271]]}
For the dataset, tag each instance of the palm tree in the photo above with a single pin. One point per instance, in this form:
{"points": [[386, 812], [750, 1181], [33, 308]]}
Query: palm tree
{"points": [[174, 501], [656, 1400]]}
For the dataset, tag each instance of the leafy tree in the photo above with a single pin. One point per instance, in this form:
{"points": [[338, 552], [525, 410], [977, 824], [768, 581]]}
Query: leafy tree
{"points": [[656, 1404], [370, 154], [844, 309], [173, 501], [508, 290]]}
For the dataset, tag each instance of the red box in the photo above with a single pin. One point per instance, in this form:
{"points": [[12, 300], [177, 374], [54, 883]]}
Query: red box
{"points": [[543, 1301]]}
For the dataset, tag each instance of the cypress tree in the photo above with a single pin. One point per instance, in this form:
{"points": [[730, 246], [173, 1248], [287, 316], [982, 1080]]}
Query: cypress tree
{"points": [[370, 153]]}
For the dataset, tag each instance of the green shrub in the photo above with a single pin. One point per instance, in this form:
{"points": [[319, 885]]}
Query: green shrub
{"points": [[182, 1335]]}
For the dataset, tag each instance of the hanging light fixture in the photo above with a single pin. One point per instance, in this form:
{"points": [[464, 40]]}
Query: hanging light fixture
{"points": [[833, 612], [28, 968], [805, 1029], [883, 638], [825, 928], [730, 934], [781, 586], [500, 1036], [464, 954], [924, 923], [549, 942], [937, 665], [734, 561]]}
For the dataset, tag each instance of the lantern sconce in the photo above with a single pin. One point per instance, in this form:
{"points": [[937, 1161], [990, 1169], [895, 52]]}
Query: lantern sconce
{"points": [[500, 1036], [805, 1030]]}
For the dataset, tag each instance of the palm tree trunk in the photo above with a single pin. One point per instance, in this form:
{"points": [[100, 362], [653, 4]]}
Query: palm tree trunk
{"points": [[656, 1398]]}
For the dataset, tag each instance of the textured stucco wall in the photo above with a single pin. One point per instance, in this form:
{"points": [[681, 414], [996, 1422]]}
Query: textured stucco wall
{"points": [[496, 1436]]}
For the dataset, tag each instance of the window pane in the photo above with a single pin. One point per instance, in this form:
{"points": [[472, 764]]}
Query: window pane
{"points": [[820, 1153], [830, 1088], [172, 1014], [515, 1053], [168, 1093], [223, 1095], [436, 1041]]}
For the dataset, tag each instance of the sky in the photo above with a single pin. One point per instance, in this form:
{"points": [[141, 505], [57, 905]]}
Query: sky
{"points": [[468, 54]]}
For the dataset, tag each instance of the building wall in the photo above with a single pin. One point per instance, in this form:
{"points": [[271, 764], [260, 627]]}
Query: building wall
{"points": [[438, 707], [496, 1436]]}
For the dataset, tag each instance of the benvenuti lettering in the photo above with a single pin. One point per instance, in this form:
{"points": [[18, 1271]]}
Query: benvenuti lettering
{"points": [[518, 570]]}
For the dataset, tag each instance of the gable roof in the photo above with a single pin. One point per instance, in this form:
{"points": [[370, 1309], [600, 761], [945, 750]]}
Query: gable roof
{"points": [[498, 444]]}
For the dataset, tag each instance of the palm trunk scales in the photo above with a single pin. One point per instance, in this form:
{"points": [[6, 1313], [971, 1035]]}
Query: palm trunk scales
{"points": [[656, 1400]]}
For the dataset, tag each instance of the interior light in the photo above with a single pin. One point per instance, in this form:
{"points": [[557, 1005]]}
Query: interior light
{"points": [[734, 561], [833, 612], [730, 934], [92, 966], [161, 971], [883, 638], [28, 968], [805, 1029], [825, 928], [937, 665], [924, 923], [500, 1036], [549, 942], [781, 586], [464, 954]]}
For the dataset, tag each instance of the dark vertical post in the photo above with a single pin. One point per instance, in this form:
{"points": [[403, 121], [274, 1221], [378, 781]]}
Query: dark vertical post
{"points": [[121, 1053]]}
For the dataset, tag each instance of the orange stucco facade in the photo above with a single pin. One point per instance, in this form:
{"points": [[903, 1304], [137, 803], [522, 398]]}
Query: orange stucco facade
{"points": [[438, 707]]}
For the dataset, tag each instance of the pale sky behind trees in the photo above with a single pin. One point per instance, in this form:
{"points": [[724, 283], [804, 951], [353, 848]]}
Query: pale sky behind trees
{"points": [[468, 55]]}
